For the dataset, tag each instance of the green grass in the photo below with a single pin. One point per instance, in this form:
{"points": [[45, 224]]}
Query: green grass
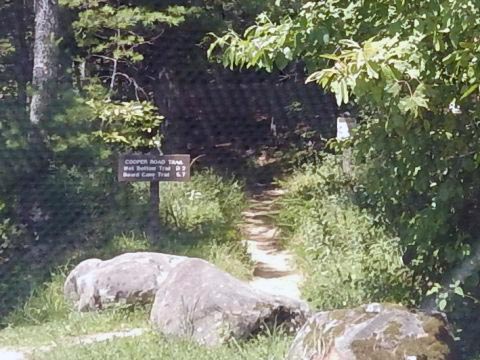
{"points": [[47, 320], [153, 346], [198, 219], [46, 317], [75, 324], [230, 256], [347, 258]]}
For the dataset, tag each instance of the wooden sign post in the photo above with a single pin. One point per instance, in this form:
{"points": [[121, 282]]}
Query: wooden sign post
{"points": [[153, 168]]}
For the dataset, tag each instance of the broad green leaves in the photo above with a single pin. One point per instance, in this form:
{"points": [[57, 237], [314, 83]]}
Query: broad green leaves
{"points": [[268, 44], [379, 72], [387, 48], [131, 125], [412, 69], [265, 45]]}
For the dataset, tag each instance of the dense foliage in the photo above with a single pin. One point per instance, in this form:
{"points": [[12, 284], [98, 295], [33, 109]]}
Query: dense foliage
{"points": [[64, 195], [412, 68], [347, 257], [408, 69]]}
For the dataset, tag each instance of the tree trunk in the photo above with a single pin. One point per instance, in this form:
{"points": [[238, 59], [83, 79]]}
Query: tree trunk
{"points": [[166, 95], [21, 52], [44, 60], [45, 65]]}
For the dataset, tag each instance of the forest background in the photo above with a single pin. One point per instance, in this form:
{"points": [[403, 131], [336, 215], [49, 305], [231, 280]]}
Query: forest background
{"points": [[114, 79]]}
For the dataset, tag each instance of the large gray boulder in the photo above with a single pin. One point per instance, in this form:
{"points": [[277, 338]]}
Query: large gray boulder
{"points": [[200, 302], [131, 278], [373, 332]]}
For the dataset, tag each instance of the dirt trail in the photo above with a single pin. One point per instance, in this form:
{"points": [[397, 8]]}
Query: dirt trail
{"points": [[274, 268]]}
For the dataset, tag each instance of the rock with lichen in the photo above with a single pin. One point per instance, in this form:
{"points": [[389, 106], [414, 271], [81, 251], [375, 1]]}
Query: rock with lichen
{"points": [[373, 332]]}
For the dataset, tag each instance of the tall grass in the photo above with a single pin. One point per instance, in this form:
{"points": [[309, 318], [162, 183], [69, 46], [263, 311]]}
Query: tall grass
{"points": [[209, 204], [347, 257], [46, 317], [198, 218]]}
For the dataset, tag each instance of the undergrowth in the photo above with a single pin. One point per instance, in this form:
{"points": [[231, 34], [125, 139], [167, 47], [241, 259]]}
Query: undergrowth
{"points": [[46, 320], [347, 257], [152, 346], [198, 219], [46, 317]]}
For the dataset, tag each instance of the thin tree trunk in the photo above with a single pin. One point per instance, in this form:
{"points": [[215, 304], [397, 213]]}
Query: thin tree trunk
{"points": [[166, 97], [45, 60], [21, 53]]}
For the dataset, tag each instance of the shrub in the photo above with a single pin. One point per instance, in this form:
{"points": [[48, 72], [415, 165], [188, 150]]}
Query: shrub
{"points": [[348, 257], [199, 219], [231, 257], [203, 215], [208, 204], [10, 236]]}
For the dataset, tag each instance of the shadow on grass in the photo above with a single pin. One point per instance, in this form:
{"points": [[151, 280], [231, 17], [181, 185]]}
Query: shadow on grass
{"points": [[119, 216], [110, 234]]}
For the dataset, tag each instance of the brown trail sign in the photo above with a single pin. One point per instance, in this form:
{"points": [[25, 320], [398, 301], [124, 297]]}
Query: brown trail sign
{"points": [[147, 167], [153, 168]]}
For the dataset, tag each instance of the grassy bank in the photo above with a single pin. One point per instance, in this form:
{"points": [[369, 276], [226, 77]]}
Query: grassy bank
{"points": [[198, 218], [347, 257], [46, 320]]}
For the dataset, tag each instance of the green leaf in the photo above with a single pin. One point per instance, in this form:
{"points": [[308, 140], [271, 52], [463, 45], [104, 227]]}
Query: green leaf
{"points": [[344, 90], [330, 57], [281, 61], [337, 91], [372, 73], [459, 291], [393, 89], [469, 91], [442, 304]]}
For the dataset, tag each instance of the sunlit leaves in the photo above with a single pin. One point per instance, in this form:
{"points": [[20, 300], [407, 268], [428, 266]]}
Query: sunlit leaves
{"points": [[129, 124], [268, 44], [414, 102], [116, 31], [373, 72], [407, 50], [265, 45], [412, 69], [470, 91]]}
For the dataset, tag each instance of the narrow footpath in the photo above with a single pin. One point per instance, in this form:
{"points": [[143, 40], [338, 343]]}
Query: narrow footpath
{"points": [[275, 271]]}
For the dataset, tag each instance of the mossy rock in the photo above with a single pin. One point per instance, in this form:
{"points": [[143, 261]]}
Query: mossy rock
{"points": [[374, 332]]}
